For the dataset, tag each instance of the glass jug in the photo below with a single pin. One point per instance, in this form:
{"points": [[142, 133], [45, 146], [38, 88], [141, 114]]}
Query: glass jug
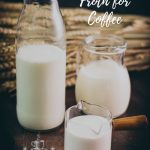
{"points": [[102, 78], [40, 65], [88, 127]]}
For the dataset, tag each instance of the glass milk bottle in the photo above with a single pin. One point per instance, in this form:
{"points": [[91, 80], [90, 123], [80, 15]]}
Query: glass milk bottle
{"points": [[102, 78], [41, 65]]}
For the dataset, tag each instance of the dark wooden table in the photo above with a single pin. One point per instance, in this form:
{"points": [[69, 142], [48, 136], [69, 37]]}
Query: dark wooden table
{"points": [[13, 136]]}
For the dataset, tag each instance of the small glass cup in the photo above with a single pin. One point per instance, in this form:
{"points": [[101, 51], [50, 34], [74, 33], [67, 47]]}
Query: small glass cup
{"points": [[88, 127], [102, 77]]}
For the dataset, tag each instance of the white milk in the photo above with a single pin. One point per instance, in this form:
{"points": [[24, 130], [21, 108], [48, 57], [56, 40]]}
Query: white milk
{"points": [[104, 83], [88, 133], [40, 86]]}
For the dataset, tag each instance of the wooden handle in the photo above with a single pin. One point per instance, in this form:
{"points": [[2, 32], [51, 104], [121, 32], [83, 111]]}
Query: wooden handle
{"points": [[130, 123]]}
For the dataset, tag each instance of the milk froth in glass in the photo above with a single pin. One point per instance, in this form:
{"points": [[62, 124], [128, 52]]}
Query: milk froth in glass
{"points": [[87, 131]]}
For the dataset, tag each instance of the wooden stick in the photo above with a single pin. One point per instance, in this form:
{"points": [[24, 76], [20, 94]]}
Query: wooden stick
{"points": [[130, 123]]}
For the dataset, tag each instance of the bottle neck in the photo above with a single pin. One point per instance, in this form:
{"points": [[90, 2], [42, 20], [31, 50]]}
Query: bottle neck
{"points": [[38, 1]]}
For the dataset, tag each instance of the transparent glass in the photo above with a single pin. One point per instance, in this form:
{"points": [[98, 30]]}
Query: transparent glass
{"points": [[41, 65], [88, 127], [102, 77], [41, 22]]}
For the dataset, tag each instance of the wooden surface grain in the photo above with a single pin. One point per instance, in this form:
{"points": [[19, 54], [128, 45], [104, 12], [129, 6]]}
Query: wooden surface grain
{"points": [[14, 137]]}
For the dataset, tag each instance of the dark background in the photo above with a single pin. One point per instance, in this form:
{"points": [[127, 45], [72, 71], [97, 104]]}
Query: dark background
{"points": [[136, 7]]}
